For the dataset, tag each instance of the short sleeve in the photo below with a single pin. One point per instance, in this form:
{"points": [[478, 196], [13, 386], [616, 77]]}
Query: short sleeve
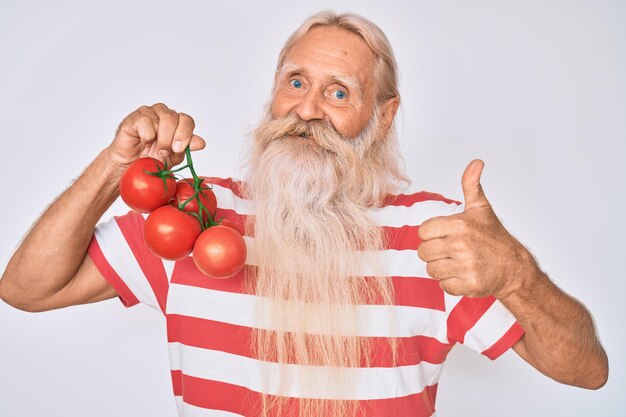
{"points": [[119, 252], [481, 324]]}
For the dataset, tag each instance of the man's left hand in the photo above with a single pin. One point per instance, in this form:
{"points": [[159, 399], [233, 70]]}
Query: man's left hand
{"points": [[471, 253]]}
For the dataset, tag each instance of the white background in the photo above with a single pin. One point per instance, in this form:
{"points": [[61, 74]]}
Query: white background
{"points": [[534, 88]]}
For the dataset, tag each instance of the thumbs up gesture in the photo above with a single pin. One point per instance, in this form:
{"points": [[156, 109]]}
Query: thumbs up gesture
{"points": [[471, 253]]}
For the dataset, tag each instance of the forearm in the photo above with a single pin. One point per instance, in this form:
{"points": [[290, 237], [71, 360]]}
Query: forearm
{"points": [[560, 337], [54, 248]]}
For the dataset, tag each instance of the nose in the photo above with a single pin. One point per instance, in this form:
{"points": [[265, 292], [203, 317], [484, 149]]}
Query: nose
{"points": [[309, 106]]}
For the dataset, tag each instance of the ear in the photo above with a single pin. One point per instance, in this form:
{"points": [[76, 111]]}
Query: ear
{"points": [[388, 113]]}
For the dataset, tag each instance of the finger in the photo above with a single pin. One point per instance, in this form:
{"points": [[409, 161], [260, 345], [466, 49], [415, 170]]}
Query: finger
{"points": [[168, 122], [452, 286], [183, 133], [150, 114], [145, 130], [472, 189], [433, 250], [434, 228], [441, 269]]}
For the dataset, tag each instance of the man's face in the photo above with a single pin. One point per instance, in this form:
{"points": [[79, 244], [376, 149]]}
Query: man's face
{"points": [[327, 75]]}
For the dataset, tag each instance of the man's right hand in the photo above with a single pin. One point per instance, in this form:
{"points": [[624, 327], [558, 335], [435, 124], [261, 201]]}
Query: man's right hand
{"points": [[41, 276], [156, 131]]}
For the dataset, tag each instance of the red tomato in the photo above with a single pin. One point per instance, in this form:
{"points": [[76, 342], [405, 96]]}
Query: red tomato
{"points": [[144, 192], [184, 190], [220, 252], [171, 233]]}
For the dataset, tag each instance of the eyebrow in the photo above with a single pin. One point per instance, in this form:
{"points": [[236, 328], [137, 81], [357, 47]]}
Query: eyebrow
{"points": [[351, 82]]}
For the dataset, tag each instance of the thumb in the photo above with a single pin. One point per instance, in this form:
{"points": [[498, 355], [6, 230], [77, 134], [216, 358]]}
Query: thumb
{"points": [[472, 190]]}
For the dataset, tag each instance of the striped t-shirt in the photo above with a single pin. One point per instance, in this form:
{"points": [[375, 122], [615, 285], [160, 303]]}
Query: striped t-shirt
{"points": [[209, 321]]}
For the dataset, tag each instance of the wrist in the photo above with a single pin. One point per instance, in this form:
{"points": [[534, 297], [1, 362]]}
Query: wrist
{"points": [[101, 179], [522, 280], [113, 165]]}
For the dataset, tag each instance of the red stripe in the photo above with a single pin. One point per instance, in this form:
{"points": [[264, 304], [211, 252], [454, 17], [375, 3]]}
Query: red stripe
{"points": [[408, 291], [465, 315], [408, 200], [131, 226], [418, 292], [230, 338], [507, 341], [238, 219], [177, 382], [401, 238], [413, 292], [126, 296], [237, 399], [235, 186], [186, 273]]}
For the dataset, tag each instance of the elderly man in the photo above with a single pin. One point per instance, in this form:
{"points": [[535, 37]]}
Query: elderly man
{"points": [[335, 314]]}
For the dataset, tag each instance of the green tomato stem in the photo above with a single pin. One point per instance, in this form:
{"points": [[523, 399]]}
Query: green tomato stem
{"points": [[197, 187]]}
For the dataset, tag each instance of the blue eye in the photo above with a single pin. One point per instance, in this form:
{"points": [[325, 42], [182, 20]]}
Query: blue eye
{"points": [[296, 83], [340, 94]]}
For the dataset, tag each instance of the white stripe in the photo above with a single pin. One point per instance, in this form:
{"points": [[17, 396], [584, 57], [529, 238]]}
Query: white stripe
{"points": [[250, 258], [229, 201], [390, 263], [394, 216], [450, 302], [119, 255], [265, 377], [169, 268], [414, 215], [244, 310], [489, 328], [400, 263], [188, 410]]}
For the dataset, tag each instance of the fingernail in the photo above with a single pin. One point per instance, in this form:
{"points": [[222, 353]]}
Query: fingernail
{"points": [[177, 146]]}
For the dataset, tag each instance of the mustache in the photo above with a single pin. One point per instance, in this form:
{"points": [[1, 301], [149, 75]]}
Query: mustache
{"points": [[291, 126]]}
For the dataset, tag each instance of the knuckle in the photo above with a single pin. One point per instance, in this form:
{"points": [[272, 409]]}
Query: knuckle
{"points": [[143, 119], [170, 118], [187, 119]]}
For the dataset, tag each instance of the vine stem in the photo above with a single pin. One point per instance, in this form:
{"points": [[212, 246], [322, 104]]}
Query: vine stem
{"points": [[197, 187]]}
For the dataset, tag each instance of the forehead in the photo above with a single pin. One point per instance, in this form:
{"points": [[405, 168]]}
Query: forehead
{"points": [[326, 51]]}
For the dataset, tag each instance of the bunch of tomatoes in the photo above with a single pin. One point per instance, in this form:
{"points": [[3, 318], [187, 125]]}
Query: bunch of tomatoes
{"points": [[182, 217]]}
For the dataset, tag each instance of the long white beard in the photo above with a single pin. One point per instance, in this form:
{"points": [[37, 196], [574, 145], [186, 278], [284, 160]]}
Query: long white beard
{"points": [[311, 189]]}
